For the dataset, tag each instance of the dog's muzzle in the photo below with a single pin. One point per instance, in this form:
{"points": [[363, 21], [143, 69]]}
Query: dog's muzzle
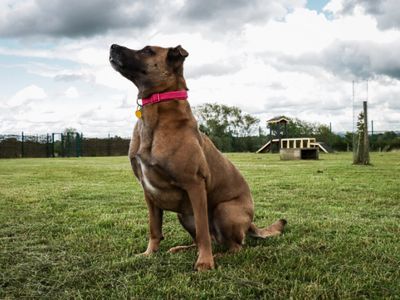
{"points": [[115, 56]]}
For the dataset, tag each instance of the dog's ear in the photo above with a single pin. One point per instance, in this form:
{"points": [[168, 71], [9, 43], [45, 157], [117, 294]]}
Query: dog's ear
{"points": [[177, 53]]}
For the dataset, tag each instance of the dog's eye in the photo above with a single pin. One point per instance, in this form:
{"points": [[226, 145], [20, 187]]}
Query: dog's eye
{"points": [[147, 51]]}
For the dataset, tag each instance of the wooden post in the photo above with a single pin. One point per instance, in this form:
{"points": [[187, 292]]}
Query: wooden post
{"points": [[362, 148], [366, 139], [354, 131]]}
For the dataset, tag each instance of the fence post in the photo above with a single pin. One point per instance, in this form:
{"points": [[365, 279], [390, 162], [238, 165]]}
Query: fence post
{"points": [[77, 144], [62, 145], [109, 145], [81, 148], [52, 145], [68, 145], [22, 144], [47, 145]]}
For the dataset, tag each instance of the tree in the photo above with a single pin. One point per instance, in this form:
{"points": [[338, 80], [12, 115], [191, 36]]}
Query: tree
{"points": [[222, 120], [228, 127], [324, 134], [69, 130], [294, 128], [300, 128], [348, 138], [249, 125]]}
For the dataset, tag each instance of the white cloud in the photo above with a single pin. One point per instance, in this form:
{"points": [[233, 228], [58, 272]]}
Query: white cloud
{"points": [[72, 92], [294, 61], [28, 93], [386, 12]]}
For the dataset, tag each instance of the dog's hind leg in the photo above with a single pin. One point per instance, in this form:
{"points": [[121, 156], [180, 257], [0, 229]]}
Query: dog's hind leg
{"points": [[187, 221], [231, 220], [272, 230]]}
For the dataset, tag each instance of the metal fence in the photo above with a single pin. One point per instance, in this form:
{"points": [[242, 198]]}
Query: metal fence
{"points": [[71, 144]]}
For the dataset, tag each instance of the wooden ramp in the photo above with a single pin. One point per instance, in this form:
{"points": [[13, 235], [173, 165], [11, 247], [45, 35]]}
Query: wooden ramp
{"points": [[323, 147], [267, 147]]}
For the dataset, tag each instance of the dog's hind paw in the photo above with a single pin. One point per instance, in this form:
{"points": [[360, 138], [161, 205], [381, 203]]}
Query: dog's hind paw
{"points": [[181, 248]]}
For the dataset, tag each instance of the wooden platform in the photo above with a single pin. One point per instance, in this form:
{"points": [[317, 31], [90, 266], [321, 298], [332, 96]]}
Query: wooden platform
{"points": [[299, 148], [299, 153]]}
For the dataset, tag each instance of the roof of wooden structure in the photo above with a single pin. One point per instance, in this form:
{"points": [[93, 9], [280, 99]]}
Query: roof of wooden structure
{"points": [[276, 120]]}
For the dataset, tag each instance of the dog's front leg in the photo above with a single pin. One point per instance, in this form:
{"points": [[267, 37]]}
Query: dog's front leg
{"points": [[198, 199], [155, 227]]}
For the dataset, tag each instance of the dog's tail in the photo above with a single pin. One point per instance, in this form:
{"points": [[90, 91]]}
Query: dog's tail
{"points": [[272, 230]]}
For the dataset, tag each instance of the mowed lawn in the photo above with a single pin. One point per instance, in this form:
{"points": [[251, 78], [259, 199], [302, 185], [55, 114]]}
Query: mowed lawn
{"points": [[71, 228]]}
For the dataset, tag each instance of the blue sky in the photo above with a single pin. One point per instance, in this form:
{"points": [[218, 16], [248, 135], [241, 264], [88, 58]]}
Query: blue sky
{"points": [[291, 57], [317, 5]]}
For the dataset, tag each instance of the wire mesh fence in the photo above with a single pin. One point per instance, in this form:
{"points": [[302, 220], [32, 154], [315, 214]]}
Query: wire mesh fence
{"points": [[10, 146], [111, 146], [71, 144], [24, 146]]}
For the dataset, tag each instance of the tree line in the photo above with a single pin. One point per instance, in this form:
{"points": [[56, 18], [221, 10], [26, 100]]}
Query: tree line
{"points": [[233, 130]]}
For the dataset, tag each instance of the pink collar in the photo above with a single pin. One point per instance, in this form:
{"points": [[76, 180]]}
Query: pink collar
{"points": [[167, 96]]}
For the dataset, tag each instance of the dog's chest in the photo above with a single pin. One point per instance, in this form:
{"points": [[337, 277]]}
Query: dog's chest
{"points": [[161, 191], [146, 180]]}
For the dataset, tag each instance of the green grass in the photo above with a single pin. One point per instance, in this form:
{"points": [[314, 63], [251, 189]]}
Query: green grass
{"points": [[70, 228]]}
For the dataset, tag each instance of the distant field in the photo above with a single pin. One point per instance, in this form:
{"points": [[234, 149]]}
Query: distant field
{"points": [[70, 228]]}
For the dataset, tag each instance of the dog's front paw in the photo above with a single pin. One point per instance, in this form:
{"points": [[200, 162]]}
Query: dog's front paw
{"points": [[147, 253], [204, 264]]}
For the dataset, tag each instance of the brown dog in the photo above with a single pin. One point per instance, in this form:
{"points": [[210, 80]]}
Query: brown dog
{"points": [[179, 168]]}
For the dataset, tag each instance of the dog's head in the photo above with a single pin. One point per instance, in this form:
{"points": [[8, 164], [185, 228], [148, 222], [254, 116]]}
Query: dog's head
{"points": [[152, 69]]}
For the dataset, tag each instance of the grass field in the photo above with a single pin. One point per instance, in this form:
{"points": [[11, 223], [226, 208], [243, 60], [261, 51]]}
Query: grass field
{"points": [[70, 228]]}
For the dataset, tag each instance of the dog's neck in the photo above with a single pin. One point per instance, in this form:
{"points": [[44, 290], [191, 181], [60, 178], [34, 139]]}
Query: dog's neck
{"points": [[169, 113], [166, 96], [178, 84], [166, 115]]}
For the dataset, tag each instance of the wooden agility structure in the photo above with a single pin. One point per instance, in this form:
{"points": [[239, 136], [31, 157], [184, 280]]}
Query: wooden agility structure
{"points": [[291, 148], [290, 143], [299, 148]]}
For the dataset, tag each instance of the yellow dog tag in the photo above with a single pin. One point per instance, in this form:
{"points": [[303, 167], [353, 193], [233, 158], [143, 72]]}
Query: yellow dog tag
{"points": [[138, 113]]}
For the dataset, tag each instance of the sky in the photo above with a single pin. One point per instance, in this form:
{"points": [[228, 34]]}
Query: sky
{"points": [[290, 57]]}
